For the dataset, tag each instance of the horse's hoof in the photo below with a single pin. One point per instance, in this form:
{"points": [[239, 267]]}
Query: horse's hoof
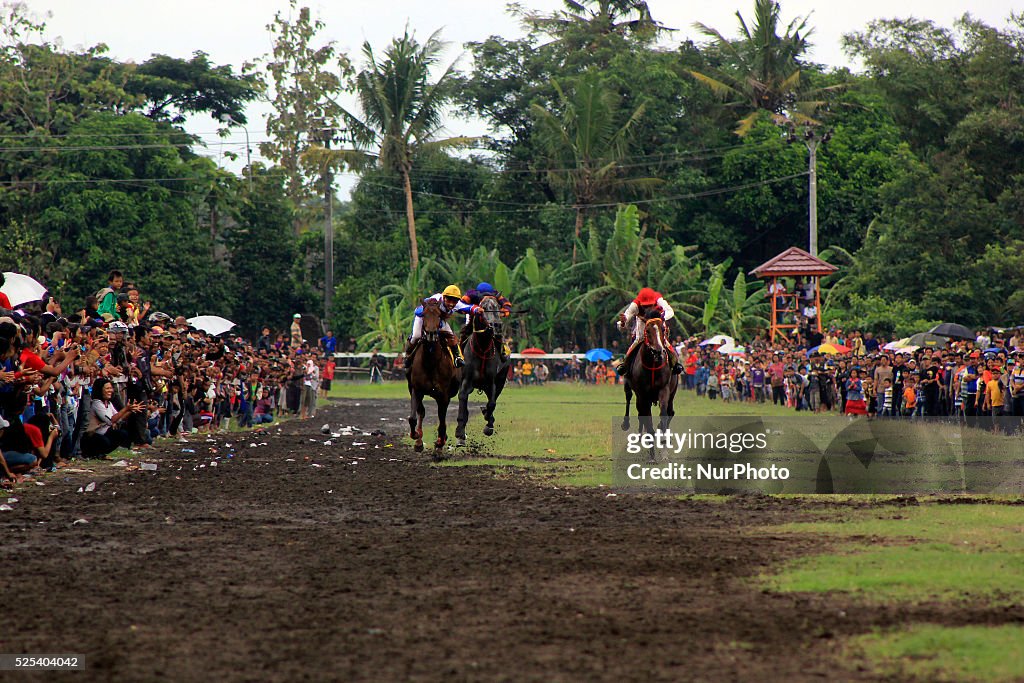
{"points": [[461, 443], [488, 431], [437, 456], [418, 448], [625, 425]]}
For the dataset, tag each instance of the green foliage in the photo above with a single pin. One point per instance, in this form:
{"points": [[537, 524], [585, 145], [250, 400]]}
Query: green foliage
{"points": [[886, 317]]}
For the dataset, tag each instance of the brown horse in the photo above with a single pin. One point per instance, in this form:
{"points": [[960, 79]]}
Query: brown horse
{"points": [[650, 377], [432, 372], [486, 367]]}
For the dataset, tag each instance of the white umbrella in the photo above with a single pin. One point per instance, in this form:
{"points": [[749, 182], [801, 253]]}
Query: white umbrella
{"points": [[718, 339], [211, 324], [21, 289]]}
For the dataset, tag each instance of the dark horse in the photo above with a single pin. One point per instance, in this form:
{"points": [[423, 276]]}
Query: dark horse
{"points": [[485, 369], [650, 377], [432, 372]]}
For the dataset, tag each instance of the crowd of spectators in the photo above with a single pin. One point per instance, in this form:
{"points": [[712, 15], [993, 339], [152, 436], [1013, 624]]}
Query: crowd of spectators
{"points": [[966, 378], [114, 373]]}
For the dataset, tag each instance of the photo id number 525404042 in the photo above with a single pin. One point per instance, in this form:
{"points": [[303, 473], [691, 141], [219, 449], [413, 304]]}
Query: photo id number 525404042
{"points": [[41, 662]]}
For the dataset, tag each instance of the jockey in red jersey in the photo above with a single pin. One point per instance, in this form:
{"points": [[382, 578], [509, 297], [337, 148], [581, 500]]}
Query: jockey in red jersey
{"points": [[647, 304]]}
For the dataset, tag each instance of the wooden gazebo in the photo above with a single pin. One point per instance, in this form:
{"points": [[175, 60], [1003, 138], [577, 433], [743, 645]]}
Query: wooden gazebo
{"points": [[795, 263]]}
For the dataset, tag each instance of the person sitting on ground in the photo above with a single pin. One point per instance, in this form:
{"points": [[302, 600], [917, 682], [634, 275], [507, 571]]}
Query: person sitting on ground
{"points": [[14, 463], [264, 413], [104, 433]]}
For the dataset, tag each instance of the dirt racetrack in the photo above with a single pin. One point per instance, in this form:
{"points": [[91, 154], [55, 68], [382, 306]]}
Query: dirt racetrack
{"points": [[297, 561]]}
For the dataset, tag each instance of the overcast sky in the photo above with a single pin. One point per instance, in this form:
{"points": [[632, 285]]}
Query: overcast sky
{"points": [[234, 31]]}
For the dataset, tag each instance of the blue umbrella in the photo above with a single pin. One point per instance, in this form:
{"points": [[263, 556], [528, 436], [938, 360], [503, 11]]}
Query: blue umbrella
{"points": [[595, 355]]}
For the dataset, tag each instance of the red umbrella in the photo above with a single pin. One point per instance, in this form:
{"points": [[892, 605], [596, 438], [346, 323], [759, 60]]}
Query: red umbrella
{"points": [[533, 352]]}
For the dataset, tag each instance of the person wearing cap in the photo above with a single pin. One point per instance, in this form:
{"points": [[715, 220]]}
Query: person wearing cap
{"points": [[647, 304], [451, 302], [295, 341], [474, 297]]}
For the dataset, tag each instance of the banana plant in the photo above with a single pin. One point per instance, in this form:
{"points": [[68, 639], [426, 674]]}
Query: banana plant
{"points": [[389, 323]]}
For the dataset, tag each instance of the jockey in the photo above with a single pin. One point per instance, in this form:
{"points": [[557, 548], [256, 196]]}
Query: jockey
{"points": [[451, 302], [647, 304], [474, 297]]}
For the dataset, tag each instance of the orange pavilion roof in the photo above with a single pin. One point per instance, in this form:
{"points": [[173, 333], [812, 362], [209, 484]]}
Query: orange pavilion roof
{"points": [[794, 262]]}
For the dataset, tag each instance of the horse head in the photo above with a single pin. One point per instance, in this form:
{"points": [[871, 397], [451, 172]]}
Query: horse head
{"points": [[653, 336], [491, 315], [432, 319]]}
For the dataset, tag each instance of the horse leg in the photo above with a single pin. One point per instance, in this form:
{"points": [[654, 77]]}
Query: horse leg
{"points": [[460, 428], [643, 412], [412, 413], [442, 425], [489, 411], [420, 413], [629, 397]]}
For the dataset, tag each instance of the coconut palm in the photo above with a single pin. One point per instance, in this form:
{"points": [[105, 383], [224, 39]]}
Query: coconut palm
{"points": [[402, 112], [585, 144], [762, 69], [598, 17]]}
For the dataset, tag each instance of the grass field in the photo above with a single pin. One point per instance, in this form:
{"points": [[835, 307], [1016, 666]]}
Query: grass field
{"points": [[954, 554], [559, 431]]}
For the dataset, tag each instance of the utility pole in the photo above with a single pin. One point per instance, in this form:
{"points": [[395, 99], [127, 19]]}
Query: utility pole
{"points": [[328, 233], [813, 140]]}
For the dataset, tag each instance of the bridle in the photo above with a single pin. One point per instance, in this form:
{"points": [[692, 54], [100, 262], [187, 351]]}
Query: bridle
{"points": [[656, 349]]}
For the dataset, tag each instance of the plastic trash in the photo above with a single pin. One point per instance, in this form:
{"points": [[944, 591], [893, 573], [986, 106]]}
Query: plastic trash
{"points": [[213, 464], [151, 466], [12, 500], [80, 521], [5, 506], [326, 429], [328, 442], [91, 486], [358, 443], [187, 450], [121, 463]]}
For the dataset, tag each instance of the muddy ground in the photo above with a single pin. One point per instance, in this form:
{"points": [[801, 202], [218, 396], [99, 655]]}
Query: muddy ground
{"points": [[300, 561]]}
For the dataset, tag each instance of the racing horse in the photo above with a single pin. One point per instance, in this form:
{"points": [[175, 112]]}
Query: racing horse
{"points": [[649, 376], [432, 373], [486, 367]]}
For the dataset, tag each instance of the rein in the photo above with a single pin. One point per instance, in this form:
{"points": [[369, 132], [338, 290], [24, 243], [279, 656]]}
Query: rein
{"points": [[487, 354], [662, 353]]}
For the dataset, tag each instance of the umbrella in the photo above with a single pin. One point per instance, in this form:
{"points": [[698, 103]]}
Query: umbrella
{"points": [[737, 352], [996, 349], [594, 355], [927, 339], [718, 339], [211, 324], [896, 345], [830, 349], [907, 349], [21, 289], [533, 352], [952, 330]]}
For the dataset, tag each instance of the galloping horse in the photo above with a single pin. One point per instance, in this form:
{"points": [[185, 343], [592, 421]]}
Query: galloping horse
{"points": [[650, 377], [431, 373], [485, 370]]}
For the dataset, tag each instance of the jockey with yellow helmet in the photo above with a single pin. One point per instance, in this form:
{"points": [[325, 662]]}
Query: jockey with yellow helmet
{"points": [[451, 302], [647, 304]]}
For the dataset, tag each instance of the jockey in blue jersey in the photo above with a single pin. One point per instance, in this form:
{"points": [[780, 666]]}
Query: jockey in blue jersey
{"points": [[474, 297], [451, 302]]}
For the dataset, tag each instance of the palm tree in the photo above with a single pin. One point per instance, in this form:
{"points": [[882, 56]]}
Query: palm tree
{"points": [[598, 18], [585, 145], [762, 71], [402, 112]]}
